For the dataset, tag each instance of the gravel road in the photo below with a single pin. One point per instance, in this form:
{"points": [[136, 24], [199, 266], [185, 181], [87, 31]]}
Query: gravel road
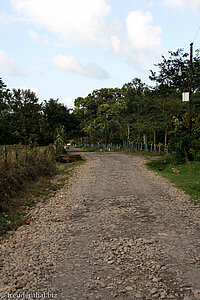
{"points": [[115, 231]]}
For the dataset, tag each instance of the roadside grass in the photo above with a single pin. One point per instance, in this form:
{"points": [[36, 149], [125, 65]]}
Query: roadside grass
{"points": [[89, 149], [124, 150], [16, 208], [65, 172], [142, 153], [187, 176]]}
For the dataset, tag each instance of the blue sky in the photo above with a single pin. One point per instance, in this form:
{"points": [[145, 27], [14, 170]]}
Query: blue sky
{"points": [[64, 49]]}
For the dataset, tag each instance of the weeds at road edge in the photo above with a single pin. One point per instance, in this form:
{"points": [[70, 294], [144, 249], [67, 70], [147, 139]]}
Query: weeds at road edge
{"points": [[188, 177]]}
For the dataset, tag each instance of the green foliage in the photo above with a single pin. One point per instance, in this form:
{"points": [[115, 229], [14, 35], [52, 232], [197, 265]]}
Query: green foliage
{"points": [[168, 70], [24, 120], [195, 149], [180, 141], [188, 178], [160, 164], [112, 115]]}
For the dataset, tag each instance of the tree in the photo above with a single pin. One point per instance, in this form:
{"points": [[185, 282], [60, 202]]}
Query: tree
{"points": [[58, 120], [93, 110], [168, 75], [4, 113], [25, 116], [169, 87]]}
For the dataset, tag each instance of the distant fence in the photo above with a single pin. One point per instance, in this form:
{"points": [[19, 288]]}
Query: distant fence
{"points": [[22, 153], [135, 146]]}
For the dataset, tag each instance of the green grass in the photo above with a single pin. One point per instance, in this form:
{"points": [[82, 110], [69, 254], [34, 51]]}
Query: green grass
{"points": [[188, 178], [8, 222], [89, 149], [17, 216], [144, 153], [57, 186], [67, 173], [3, 222]]}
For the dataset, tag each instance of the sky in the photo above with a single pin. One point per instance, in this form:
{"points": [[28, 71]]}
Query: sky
{"points": [[65, 49]]}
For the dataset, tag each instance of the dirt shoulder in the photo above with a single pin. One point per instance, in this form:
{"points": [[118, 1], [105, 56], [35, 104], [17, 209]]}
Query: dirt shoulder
{"points": [[116, 230]]}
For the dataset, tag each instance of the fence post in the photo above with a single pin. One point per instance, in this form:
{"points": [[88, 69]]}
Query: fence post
{"points": [[5, 154], [16, 153], [26, 154]]}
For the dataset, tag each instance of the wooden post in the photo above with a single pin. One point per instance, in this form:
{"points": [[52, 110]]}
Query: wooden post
{"points": [[190, 87], [5, 154], [26, 155], [154, 138], [16, 153], [165, 140], [145, 141]]}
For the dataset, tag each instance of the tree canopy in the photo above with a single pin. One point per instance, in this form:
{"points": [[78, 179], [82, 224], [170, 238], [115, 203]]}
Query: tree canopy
{"points": [[110, 115]]}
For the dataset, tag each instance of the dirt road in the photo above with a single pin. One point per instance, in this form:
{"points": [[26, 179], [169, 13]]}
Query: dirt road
{"points": [[117, 231]]}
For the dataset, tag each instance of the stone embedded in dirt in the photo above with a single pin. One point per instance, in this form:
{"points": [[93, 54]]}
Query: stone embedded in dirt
{"points": [[153, 291], [129, 288], [196, 293]]}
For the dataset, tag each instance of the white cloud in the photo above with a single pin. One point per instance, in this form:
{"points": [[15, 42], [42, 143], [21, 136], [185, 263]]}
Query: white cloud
{"points": [[46, 40], [142, 35], [37, 70], [9, 66], [70, 63], [68, 101], [86, 22], [116, 44], [33, 36], [150, 4], [60, 44], [140, 41], [33, 89], [182, 3], [6, 18], [36, 38], [79, 20]]}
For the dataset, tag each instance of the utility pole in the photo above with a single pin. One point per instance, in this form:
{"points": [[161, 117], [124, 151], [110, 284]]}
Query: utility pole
{"points": [[106, 133], [190, 87], [128, 128]]}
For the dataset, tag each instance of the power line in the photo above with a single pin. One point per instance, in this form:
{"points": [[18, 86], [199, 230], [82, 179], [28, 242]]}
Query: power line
{"points": [[196, 34]]}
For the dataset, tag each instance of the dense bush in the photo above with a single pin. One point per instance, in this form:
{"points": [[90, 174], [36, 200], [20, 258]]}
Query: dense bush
{"points": [[180, 142], [16, 173]]}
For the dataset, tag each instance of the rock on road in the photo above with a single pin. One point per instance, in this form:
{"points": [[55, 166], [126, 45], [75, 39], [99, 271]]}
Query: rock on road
{"points": [[116, 231]]}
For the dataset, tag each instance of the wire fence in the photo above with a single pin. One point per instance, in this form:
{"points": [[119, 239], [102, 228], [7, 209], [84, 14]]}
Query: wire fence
{"points": [[22, 154], [160, 148]]}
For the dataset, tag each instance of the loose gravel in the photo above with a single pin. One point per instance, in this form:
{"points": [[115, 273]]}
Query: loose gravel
{"points": [[115, 231]]}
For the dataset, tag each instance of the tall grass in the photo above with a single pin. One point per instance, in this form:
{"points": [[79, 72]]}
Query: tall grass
{"points": [[20, 165]]}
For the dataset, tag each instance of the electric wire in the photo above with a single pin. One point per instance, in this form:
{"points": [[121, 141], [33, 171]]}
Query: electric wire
{"points": [[196, 34]]}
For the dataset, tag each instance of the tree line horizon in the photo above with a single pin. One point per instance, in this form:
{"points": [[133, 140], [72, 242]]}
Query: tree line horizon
{"points": [[113, 115]]}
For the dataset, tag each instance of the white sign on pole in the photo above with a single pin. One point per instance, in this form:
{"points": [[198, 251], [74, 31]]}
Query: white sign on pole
{"points": [[186, 97]]}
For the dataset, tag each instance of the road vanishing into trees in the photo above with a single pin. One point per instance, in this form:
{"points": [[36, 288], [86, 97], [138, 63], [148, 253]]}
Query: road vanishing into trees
{"points": [[115, 231]]}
